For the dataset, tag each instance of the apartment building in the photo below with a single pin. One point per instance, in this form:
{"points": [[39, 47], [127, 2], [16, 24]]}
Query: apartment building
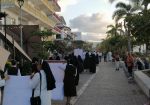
{"points": [[33, 15]]}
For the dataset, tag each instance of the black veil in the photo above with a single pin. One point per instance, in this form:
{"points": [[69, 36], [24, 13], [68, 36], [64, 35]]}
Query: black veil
{"points": [[49, 76]]}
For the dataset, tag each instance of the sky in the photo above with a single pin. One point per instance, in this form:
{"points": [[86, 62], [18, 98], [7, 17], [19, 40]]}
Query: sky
{"points": [[88, 16]]}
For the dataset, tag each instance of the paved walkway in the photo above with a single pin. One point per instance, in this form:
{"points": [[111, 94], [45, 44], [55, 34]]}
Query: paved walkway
{"points": [[84, 78], [110, 87]]}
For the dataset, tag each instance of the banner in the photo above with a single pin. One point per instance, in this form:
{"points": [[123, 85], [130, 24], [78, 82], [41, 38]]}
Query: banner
{"points": [[17, 91], [58, 72], [78, 52], [4, 54]]}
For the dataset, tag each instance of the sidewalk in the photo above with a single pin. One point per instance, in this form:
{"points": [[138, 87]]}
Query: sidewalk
{"points": [[110, 87], [84, 77]]}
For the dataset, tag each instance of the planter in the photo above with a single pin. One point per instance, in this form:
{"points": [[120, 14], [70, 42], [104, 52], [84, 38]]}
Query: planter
{"points": [[143, 81]]}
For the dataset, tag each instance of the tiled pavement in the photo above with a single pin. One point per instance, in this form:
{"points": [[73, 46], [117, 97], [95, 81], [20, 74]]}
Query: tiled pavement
{"points": [[106, 87], [110, 87]]}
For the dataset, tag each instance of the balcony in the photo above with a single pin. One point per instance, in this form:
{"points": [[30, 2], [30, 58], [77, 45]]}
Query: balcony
{"points": [[31, 11], [55, 5], [36, 13], [43, 5], [57, 17]]}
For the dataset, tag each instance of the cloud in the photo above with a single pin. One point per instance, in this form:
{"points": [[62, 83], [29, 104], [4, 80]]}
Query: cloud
{"points": [[93, 37], [65, 3], [95, 23]]}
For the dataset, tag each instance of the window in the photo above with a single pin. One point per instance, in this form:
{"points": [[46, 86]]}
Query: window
{"points": [[13, 21], [58, 36]]}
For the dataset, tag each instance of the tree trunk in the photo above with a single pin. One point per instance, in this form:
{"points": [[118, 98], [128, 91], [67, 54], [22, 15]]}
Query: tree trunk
{"points": [[128, 35]]}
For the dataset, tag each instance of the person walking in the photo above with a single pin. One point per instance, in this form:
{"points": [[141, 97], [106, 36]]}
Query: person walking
{"points": [[41, 82], [93, 63], [100, 56], [130, 64], [70, 81], [87, 62], [14, 69], [117, 59], [80, 64]]}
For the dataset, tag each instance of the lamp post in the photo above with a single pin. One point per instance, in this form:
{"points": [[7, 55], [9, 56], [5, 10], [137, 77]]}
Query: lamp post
{"points": [[20, 3]]}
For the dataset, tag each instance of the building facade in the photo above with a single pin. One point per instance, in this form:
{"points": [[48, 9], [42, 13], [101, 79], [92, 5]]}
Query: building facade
{"points": [[33, 15]]}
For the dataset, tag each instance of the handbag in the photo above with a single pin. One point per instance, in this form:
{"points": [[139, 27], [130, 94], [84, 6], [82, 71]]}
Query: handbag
{"points": [[36, 100]]}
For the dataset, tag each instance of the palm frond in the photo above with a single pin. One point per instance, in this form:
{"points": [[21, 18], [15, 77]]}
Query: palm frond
{"points": [[110, 26], [136, 8], [128, 8], [121, 5], [118, 14]]}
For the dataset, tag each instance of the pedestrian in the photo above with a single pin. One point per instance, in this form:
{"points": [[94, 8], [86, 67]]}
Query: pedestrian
{"points": [[80, 64], [87, 62], [41, 82], [117, 59], [100, 56], [109, 56], [69, 81], [75, 63], [92, 63], [146, 63], [139, 63], [97, 58], [105, 57], [13, 70], [130, 64]]}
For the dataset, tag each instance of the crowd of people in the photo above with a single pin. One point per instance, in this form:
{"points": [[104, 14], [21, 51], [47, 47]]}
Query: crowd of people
{"points": [[131, 62], [42, 80]]}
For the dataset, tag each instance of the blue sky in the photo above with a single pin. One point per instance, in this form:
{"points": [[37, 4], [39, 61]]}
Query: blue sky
{"points": [[88, 16]]}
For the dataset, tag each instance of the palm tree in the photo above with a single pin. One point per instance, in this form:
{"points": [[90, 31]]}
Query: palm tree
{"points": [[136, 2], [132, 1], [114, 30], [124, 11]]}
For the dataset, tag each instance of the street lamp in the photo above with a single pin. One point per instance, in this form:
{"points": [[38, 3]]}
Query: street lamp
{"points": [[20, 3]]}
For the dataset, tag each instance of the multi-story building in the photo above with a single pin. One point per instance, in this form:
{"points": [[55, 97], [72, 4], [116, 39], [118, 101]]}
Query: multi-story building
{"points": [[78, 36], [33, 15]]}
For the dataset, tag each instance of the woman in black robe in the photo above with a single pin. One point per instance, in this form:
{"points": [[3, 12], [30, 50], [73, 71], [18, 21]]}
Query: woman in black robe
{"points": [[97, 59], [92, 64], [75, 63], [87, 61], [80, 64], [69, 81]]}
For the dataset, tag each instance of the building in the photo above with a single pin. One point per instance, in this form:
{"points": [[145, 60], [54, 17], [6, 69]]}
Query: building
{"points": [[31, 16], [78, 36]]}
